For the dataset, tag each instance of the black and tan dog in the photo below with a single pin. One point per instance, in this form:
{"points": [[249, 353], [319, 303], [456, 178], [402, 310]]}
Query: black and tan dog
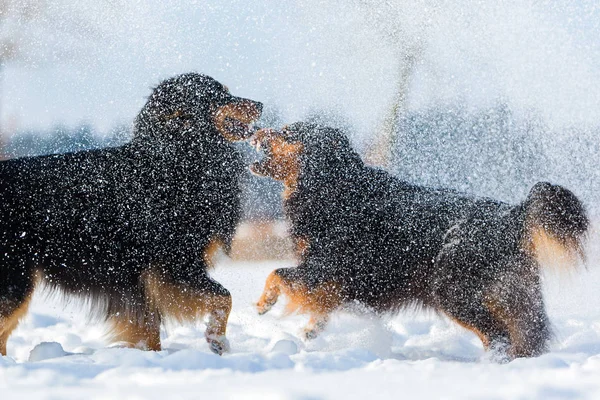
{"points": [[130, 229], [367, 237]]}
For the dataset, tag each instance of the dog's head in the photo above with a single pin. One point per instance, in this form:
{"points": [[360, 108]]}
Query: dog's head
{"points": [[194, 101], [299, 148]]}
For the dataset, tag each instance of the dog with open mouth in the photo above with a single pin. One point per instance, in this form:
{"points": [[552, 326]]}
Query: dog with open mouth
{"points": [[367, 238], [131, 229]]}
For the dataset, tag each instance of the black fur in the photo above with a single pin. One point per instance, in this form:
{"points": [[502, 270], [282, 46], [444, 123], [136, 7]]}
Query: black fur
{"points": [[92, 223], [389, 244]]}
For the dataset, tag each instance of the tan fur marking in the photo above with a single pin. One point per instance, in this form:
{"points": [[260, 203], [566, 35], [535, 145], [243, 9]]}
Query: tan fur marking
{"points": [[282, 162], [500, 312], [316, 324], [484, 339], [270, 293], [244, 111], [10, 323], [291, 166], [219, 314], [176, 114], [551, 252], [319, 301], [182, 302], [145, 336], [211, 249], [302, 245]]}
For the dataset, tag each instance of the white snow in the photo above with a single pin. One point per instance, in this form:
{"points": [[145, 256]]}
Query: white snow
{"points": [[57, 354], [47, 350]]}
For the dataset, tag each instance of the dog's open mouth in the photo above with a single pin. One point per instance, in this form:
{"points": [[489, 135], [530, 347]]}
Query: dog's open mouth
{"points": [[235, 121], [237, 128], [281, 158], [261, 144]]}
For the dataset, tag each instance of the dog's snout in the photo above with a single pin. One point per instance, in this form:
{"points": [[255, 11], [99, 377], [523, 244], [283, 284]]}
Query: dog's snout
{"points": [[254, 107], [263, 135]]}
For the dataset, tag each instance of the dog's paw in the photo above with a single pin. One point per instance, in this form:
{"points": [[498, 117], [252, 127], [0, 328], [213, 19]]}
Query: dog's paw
{"points": [[264, 307], [218, 344], [314, 328], [499, 352], [310, 334]]}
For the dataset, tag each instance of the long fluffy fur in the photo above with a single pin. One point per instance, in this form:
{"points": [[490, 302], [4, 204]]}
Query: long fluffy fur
{"points": [[95, 224], [389, 244]]}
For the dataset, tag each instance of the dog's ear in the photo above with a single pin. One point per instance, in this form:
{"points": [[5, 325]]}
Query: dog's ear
{"points": [[182, 97], [330, 142], [336, 140], [162, 105], [322, 142], [319, 135]]}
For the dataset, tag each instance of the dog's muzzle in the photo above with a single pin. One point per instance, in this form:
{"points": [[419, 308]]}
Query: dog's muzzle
{"points": [[235, 119]]}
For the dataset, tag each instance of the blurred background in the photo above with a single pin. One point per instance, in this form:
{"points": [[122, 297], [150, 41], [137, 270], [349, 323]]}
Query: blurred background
{"points": [[487, 97]]}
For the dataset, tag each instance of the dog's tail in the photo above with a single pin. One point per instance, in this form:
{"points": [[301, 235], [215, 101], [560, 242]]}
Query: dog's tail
{"points": [[556, 226]]}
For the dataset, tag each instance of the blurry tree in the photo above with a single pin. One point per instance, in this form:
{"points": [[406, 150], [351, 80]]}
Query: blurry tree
{"points": [[12, 11], [488, 151], [35, 32], [386, 16], [10, 46], [380, 152], [117, 136], [62, 139]]}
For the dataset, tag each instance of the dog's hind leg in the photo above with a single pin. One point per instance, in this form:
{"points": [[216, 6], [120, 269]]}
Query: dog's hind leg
{"points": [[463, 300], [491, 331], [470, 313], [15, 297], [135, 317], [316, 324], [10, 315], [519, 304], [319, 302], [273, 287]]}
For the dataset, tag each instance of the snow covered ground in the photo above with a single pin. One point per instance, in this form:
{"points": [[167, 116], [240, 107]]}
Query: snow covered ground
{"points": [[57, 354]]}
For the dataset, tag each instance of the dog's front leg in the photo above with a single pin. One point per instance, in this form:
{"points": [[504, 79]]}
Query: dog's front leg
{"points": [[218, 301], [315, 326], [271, 292]]}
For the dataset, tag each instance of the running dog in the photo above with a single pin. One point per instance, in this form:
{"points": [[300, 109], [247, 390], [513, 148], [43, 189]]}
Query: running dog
{"points": [[366, 237]]}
